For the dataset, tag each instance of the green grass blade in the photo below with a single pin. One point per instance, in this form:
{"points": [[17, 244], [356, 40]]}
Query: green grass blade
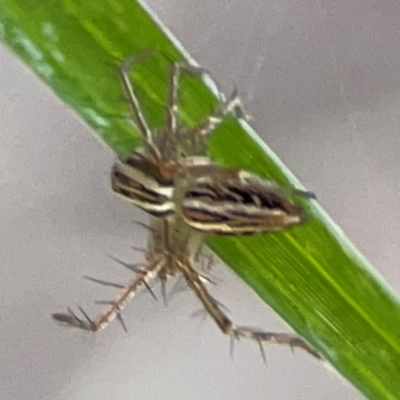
{"points": [[312, 275]]}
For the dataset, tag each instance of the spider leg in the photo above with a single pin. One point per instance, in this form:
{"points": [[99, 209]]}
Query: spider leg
{"points": [[173, 89], [227, 326], [139, 119], [172, 101], [112, 308], [208, 125], [135, 268]]}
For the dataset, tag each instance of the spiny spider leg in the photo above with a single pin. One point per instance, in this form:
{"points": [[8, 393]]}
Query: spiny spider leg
{"points": [[226, 325], [139, 119], [172, 101], [135, 268], [113, 308], [173, 132], [205, 127]]}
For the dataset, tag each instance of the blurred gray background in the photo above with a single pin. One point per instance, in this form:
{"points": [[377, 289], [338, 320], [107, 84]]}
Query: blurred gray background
{"points": [[322, 81]]}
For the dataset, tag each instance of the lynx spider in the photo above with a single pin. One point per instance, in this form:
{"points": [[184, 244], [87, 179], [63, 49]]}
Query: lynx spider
{"points": [[157, 180]]}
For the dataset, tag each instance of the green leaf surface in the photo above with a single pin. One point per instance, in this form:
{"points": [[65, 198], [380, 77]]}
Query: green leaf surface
{"points": [[311, 275]]}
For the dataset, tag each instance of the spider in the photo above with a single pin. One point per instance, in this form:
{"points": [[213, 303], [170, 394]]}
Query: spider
{"points": [[188, 196]]}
